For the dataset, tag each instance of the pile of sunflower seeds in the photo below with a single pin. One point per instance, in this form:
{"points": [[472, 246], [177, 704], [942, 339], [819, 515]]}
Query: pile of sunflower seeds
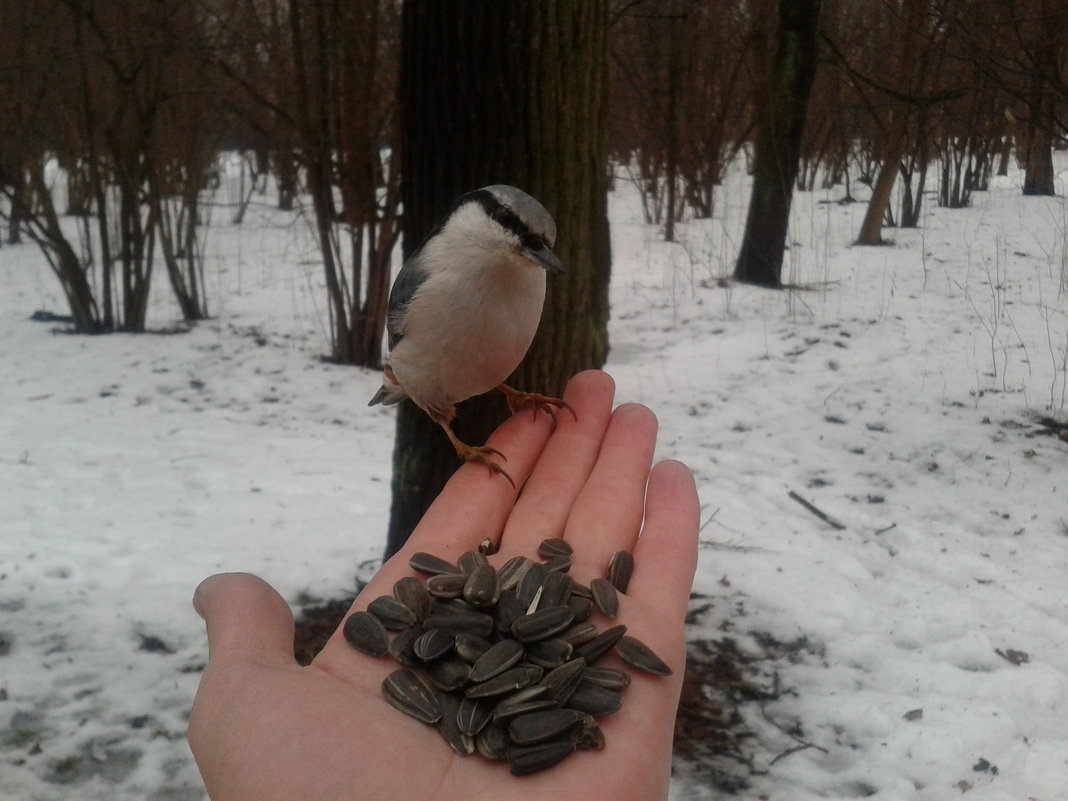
{"points": [[502, 662]]}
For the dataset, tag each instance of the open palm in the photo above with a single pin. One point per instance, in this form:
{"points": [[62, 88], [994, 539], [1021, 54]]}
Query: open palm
{"points": [[263, 727]]}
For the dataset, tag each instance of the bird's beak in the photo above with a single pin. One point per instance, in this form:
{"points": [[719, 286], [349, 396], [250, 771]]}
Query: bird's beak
{"points": [[544, 257]]}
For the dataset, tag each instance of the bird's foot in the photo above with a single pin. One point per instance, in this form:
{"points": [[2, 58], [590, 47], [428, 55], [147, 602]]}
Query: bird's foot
{"points": [[521, 400], [482, 454]]}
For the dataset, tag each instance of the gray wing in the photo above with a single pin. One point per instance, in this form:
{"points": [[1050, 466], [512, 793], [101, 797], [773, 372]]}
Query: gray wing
{"points": [[409, 279]]}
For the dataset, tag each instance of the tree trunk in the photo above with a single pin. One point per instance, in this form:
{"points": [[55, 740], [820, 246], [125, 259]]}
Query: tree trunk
{"points": [[514, 93], [778, 143]]}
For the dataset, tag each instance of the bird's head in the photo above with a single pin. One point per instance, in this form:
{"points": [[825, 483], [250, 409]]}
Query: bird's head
{"points": [[510, 218]]}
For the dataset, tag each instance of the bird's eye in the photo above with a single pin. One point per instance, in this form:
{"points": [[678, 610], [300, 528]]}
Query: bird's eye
{"points": [[533, 243], [505, 218]]}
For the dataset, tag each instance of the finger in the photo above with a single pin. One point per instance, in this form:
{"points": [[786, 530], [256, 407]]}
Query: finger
{"points": [[665, 555], [246, 620], [607, 515], [475, 502], [565, 463]]}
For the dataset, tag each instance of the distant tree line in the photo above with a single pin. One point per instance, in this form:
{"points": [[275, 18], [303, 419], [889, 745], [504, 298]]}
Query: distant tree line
{"points": [[114, 115]]}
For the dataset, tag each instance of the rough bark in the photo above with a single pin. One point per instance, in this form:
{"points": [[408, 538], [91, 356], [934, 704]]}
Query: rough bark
{"points": [[513, 93], [778, 143]]}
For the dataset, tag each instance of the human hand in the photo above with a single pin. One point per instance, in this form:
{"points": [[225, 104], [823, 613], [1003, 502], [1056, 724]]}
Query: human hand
{"points": [[263, 727]]}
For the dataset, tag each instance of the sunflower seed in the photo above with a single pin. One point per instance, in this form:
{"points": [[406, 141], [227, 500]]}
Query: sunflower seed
{"points": [[511, 707], [582, 607], [587, 736], [509, 609], [620, 568], [433, 644], [641, 657], [482, 587], [411, 592], [609, 678], [431, 565], [469, 560], [460, 742], [470, 647], [599, 645], [366, 633], [581, 590], [394, 615], [535, 758], [554, 546], [514, 679], [531, 583], [537, 727], [558, 564], [555, 590], [595, 700], [476, 623], [579, 634], [542, 624], [604, 595], [497, 659], [448, 674], [407, 692], [512, 571], [402, 648], [549, 653], [473, 714], [446, 585], [561, 682], [492, 742]]}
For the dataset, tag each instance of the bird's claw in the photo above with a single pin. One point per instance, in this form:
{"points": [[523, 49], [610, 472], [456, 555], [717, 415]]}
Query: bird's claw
{"points": [[481, 454], [518, 400]]}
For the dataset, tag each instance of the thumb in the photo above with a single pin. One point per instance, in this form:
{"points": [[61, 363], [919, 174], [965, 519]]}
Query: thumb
{"points": [[247, 620]]}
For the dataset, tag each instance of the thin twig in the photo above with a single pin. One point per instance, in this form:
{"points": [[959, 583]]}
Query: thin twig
{"points": [[830, 521]]}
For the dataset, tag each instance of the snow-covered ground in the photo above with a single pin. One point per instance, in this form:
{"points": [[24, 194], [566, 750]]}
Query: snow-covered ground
{"points": [[896, 390]]}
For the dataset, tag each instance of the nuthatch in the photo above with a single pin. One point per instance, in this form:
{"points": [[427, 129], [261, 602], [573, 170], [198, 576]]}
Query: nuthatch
{"points": [[465, 307]]}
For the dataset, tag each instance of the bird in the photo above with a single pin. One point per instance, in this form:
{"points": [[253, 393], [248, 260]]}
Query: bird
{"points": [[464, 309]]}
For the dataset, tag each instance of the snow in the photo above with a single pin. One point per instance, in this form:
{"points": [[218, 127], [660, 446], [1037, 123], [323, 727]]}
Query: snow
{"points": [[896, 389]]}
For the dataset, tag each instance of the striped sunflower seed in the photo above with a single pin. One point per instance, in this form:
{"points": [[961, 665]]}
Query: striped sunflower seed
{"points": [[449, 727], [493, 743], [599, 645], [561, 682], [512, 571], [555, 590], [448, 674], [536, 758], [550, 653], [366, 633], [411, 592], [446, 585], [513, 679], [620, 568], [394, 615], [469, 647], [482, 587], [531, 584], [596, 701], [469, 560], [609, 678], [542, 624], [641, 657], [554, 546], [604, 595], [496, 660], [537, 727], [582, 607], [402, 647], [433, 644], [407, 692], [473, 714], [579, 634], [431, 565]]}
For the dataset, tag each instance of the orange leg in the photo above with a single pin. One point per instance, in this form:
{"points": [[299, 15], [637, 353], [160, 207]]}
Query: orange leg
{"points": [[477, 453], [520, 400]]}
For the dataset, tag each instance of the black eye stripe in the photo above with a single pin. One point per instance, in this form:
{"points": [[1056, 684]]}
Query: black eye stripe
{"points": [[507, 219]]}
